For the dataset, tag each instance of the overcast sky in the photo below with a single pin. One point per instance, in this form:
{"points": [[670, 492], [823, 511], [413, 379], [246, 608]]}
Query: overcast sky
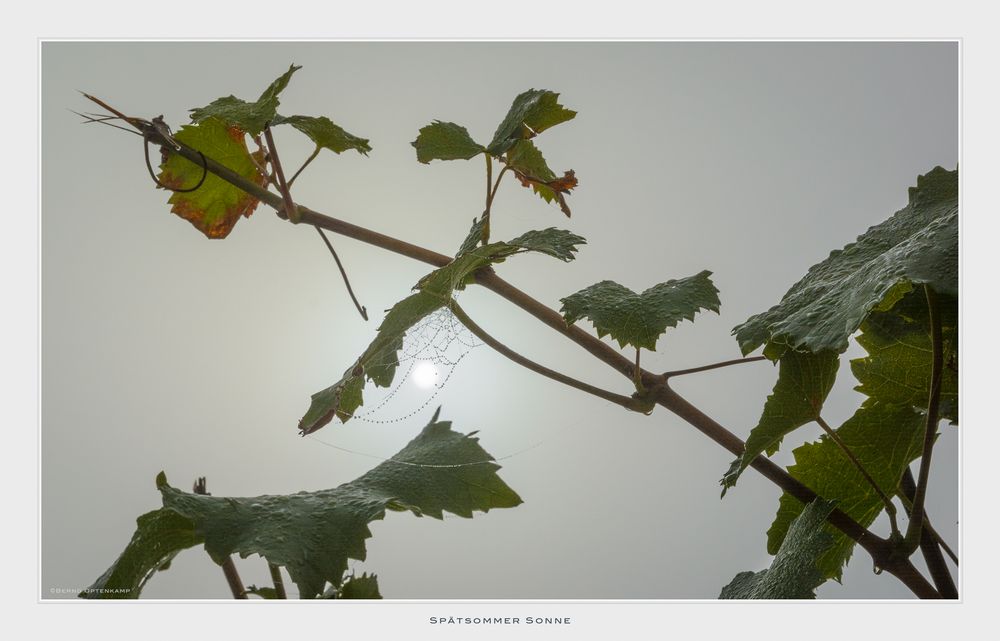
{"points": [[163, 350]]}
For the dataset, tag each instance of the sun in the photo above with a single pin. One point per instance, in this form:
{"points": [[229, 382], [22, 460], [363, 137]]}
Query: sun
{"points": [[424, 375]]}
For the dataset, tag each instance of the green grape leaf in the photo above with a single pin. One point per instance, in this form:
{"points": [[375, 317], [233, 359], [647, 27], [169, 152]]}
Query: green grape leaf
{"points": [[918, 244], [251, 117], [445, 141], [474, 237], [885, 439], [327, 135], [360, 587], [528, 164], [793, 573], [557, 243], [898, 366], [640, 319], [216, 206], [313, 534], [379, 362], [804, 381], [159, 536], [531, 113]]}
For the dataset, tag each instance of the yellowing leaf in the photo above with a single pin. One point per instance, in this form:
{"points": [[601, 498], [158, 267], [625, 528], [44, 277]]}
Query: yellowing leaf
{"points": [[214, 207]]}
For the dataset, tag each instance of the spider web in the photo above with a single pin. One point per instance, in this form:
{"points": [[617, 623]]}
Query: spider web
{"points": [[439, 339], [442, 340]]}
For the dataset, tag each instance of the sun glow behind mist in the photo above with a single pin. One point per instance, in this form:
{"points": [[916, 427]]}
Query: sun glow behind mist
{"points": [[424, 375]]}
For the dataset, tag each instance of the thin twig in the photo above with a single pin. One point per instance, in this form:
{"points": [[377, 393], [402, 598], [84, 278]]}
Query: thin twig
{"points": [[484, 234], [489, 178], [361, 308], [481, 334], [228, 567], [103, 120], [292, 212], [930, 428], [890, 507], [496, 186], [705, 368], [311, 158]]}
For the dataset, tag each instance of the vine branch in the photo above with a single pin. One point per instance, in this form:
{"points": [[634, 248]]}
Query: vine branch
{"points": [[878, 548]]}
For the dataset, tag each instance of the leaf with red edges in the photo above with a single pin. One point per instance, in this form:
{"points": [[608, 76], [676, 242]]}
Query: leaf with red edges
{"points": [[528, 164], [216, 205]]}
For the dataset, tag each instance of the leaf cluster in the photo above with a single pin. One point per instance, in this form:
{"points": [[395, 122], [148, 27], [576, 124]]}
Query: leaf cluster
{"points": [[531, 113], [875, 285], [219, 130]]}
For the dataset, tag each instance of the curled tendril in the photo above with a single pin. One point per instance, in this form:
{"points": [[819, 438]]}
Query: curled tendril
{"points": [[152, 174]]}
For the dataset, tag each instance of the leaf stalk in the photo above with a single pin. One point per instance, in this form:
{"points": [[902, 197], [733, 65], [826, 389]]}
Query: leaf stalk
{"points": [[890, 507], [913, 528]]}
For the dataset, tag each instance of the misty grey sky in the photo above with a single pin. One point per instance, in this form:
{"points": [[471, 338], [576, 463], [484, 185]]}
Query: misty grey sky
{"points": [[163, 350]]}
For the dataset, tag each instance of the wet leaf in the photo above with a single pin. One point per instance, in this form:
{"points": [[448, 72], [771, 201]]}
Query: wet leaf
{"points": [[898, 366], [327, 135], [251, 117], [918, 244], [640, 319], [886, 439], [804, 381], [159, 536], [445, 141], [360, 587], [793, 573], [313, 534], [474, 237], [531, 113]]}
